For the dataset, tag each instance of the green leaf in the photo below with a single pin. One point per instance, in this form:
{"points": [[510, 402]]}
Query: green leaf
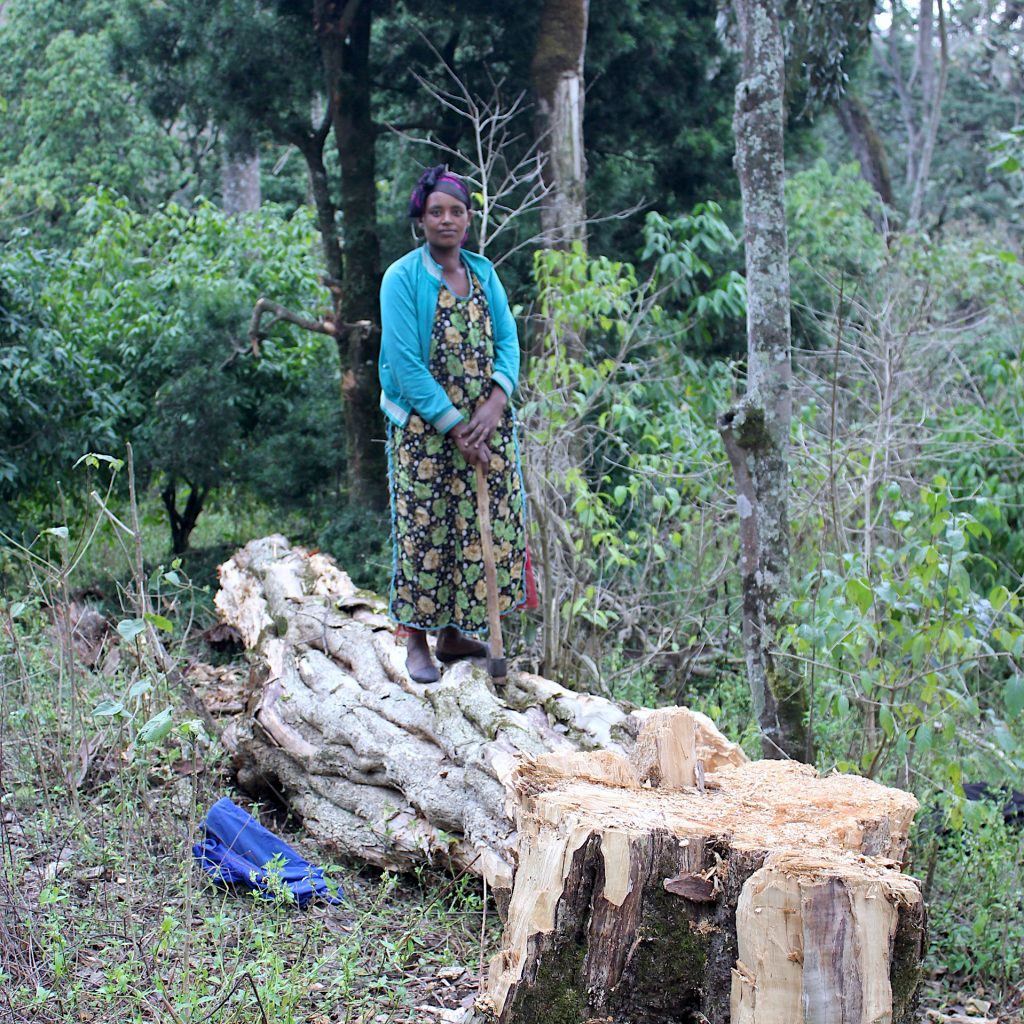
{"points": [[159, 621], [58, 531], [924, 737], [886, 721], [17, 609], [859, 592], [620, 495], [131, 628], [157, 728], [1013, 694], [108, 708], [139, 687]]}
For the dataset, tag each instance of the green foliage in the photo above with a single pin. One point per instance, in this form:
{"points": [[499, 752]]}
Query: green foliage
{"points": [[981, 101], [155, 308], [70, 120], [709, 302], [362, 544], [247, 66], [976, 924], [913, 669], [828, 213], [821, 42], [670, 141], [621, 434], [46, 383]]}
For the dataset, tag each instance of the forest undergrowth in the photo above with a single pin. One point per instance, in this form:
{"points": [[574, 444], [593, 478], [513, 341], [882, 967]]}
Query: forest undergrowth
{"points": [[105, 778]]}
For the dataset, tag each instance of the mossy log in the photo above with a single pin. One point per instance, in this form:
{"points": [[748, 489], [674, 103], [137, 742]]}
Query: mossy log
{"points": [[647, 872]]}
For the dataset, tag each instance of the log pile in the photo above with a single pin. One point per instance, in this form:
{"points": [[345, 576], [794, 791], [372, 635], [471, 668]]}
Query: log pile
{"points": [[646, 870]]}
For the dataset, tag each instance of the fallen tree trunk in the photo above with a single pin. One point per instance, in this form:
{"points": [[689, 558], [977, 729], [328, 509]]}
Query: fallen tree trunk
{"points": [[646, 870], [377, 766]]}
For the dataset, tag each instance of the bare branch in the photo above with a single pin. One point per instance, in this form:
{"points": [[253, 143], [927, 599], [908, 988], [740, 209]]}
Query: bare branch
{"points": [[324, 325]]}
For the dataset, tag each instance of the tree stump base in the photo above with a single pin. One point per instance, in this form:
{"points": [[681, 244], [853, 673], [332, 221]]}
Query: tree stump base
{"points": [[764, 895]]}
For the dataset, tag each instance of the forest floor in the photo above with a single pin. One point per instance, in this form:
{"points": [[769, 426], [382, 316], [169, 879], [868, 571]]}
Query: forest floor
{"points": [[104, 916]]}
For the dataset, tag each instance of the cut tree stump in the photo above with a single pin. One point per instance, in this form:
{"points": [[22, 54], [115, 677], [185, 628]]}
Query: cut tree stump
{"points": [[646, 870], [768, 895]]}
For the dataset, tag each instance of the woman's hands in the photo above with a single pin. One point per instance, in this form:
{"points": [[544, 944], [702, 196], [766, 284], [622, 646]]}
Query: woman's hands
{"points": [[472, 453], [472, 438], [487, 417]]}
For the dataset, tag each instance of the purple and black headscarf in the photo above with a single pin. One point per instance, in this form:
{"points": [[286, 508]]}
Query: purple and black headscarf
{"points": [[436, 179]]}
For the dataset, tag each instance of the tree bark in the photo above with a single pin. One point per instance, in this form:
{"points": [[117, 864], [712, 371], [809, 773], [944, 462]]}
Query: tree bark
{"points": [[756, 432], [646, 871], [558, 85], [343, 33], [866, 144], [241, 172]]}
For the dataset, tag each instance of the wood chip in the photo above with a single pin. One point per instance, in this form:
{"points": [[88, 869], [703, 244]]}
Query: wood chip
{"points": [[695, 888]]}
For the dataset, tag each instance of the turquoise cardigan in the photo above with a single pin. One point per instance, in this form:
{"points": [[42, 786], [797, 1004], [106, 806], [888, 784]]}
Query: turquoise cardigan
{"points": [[408, 301]]}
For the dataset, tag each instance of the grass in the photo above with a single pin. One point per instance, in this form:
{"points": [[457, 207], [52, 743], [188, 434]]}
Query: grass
{"points": [[104, 780], [103, 916]]}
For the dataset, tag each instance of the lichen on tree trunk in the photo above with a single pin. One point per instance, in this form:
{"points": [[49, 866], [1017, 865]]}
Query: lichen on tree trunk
{"points": [[756, 432]]}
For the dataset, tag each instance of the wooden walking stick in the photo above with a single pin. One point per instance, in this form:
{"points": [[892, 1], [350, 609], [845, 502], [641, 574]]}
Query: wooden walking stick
{"points": [[496, 662]]}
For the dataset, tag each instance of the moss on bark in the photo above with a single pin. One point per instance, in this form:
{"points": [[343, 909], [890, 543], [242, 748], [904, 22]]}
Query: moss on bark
{"points": [[555, 996]]}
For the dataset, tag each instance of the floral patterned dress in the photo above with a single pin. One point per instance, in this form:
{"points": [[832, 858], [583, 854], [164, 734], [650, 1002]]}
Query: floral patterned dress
{"points": [[438, 575]]}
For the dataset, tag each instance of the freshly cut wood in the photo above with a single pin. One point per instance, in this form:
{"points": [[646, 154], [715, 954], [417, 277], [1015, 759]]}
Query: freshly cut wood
{"points": [[379, 767], [769, 896], [647, 871]]}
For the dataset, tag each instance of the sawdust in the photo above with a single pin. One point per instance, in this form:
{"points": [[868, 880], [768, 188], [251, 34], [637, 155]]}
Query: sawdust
{"points": [[763, 805]]}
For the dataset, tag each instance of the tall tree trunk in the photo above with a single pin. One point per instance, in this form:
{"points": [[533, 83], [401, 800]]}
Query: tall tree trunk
{"points": [[933, 88], [183, 522], [343, 32], [240, 176], [756, 431], [557, 74], [866, 144]]}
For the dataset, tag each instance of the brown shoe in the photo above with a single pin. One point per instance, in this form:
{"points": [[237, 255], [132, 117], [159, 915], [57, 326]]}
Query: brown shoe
{"points": [[452, 645]]}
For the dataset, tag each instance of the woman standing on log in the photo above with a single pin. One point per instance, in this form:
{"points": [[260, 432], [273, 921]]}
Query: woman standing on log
{"points": [[449, 362]]}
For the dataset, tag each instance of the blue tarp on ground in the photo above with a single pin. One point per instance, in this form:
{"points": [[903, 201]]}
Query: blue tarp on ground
{"points": [[238, 850]]}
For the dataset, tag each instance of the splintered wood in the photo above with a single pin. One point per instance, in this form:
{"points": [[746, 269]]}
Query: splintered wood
{"points": [[770, 896]]}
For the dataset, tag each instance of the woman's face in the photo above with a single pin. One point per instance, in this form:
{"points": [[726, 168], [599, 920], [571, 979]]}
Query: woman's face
{"points": [[445, 220]]}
